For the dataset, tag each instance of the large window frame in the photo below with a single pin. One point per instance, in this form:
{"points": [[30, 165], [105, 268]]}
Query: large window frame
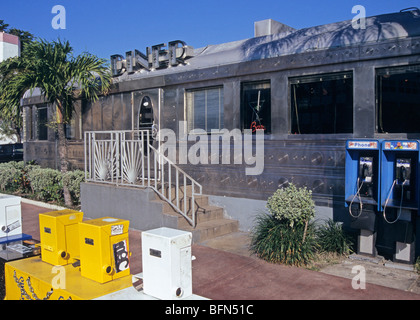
{"points": [[322, 103], [398, 99], [256, 105], [204, 108], [41, 123]]}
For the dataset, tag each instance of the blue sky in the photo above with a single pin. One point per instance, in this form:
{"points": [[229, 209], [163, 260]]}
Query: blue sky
{"points": [[115, 26]]}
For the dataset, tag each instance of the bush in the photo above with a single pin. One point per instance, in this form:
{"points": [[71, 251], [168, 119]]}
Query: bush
{"points": [[9, 176], [72, 180], [286, 235], [275, 241], [46, 184], [332, 238], [292, 205]]}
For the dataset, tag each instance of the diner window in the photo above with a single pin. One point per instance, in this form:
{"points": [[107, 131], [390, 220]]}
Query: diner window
{"points": [[322, 104], [204, 108], [70, 129], [41, 123], [73, 126], [256, 106], [398, 99]]}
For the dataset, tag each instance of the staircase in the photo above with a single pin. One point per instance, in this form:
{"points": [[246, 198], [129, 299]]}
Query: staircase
{"points": [[127, 158], [210, 221]]}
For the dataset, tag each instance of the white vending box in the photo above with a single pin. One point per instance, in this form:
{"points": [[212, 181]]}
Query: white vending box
{"points": [[10, 216], [167, 268]]}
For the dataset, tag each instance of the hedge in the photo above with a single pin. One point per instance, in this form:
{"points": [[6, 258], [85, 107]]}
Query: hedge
{"points": [[43, 184]]}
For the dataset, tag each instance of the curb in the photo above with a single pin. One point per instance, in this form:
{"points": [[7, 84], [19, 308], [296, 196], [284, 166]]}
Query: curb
{"points": [[37, 203]]}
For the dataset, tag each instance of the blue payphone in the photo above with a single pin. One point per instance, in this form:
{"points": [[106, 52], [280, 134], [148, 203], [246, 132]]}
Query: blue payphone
{"points": [[399, 183], [399, 198], [362, 190], [362, 175]]}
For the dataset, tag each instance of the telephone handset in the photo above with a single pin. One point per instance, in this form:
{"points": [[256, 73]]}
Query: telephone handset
{"points": [[401, 184], [403, 171], [366, 176], [364, 184]]}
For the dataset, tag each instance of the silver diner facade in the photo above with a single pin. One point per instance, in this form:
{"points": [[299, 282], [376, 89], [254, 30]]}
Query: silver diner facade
{"points": [[310, 90]]}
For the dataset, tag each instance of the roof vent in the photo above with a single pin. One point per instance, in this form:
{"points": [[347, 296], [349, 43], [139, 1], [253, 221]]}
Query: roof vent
{"points": [[269, 27]]}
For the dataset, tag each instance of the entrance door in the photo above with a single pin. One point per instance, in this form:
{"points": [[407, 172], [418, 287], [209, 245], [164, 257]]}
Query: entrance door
{"points": [[146, 109], [145, 120]]}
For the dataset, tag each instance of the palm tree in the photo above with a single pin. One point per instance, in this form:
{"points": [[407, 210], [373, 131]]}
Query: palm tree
{"points": [[10, 117], [62, 79]]}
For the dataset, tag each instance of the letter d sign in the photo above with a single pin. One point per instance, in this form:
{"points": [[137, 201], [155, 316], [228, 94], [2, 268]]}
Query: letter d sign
{"points": [[59, 21]]}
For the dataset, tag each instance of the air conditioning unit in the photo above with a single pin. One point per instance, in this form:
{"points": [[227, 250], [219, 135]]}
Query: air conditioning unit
{"points": [[10, 217], [166, 257]]}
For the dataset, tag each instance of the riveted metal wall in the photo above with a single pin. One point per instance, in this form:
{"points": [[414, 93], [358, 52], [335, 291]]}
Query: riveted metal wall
{"points": [[314, 161]]}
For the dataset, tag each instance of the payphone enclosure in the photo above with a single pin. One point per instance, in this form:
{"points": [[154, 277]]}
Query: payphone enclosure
{"points": [[399, 184], [362, 180]]}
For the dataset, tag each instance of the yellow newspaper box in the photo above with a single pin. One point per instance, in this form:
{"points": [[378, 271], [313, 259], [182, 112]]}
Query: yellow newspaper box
{"points": [[104, 252], [59, 236]]}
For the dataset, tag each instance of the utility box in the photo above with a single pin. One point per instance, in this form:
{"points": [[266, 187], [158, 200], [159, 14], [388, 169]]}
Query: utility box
{"points": [[104, 250], [166, 258], [10, 216], [59, 235]]}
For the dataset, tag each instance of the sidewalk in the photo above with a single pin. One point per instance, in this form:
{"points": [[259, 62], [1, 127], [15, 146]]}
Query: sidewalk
{"points": [[225, 275]]}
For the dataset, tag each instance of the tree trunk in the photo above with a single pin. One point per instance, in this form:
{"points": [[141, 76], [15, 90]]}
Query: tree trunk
{"points": [[304, 231], [64, 164]]}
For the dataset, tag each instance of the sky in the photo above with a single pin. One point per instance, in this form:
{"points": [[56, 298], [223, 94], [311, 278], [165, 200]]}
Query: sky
{"points": [[111, 27]]}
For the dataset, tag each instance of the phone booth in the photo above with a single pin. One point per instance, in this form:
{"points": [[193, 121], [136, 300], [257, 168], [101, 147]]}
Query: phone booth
{"points": [[399, 198], [362, 190]]}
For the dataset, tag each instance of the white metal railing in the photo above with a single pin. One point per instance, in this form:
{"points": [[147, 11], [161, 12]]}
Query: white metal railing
{"points": [[128, 158]]}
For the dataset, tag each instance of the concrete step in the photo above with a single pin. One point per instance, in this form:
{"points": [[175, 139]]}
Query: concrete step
{"points": [[204, 214], [199, 201], [212, 229], [210, 221]]}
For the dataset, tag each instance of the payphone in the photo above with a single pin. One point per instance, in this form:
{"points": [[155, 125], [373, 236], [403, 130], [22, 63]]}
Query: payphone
{"points": [[362, 190], [365, 178], [399, 185], [399, 197], [362, 175]]}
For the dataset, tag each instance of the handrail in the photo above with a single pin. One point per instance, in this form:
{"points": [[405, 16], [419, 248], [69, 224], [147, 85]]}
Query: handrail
{"points": [[128, 158], [180, 207]]}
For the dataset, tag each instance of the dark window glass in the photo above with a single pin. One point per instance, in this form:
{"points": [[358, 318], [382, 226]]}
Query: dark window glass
{"points": [[146, 113], [256, 106], [42, 121], [398, 97], [322, 104]]}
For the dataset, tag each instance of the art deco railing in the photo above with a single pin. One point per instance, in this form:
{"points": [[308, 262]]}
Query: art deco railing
{"points": [[127, 158]]}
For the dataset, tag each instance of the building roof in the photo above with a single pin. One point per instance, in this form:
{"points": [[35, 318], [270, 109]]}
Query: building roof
{"points": [[335, 35]]}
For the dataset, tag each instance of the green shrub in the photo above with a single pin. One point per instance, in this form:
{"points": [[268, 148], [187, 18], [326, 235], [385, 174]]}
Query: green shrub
{"points": [[73, 179], [275, 241], [292, 205], [332, 238], [285, 235], [46, 184], [9, 176]]}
